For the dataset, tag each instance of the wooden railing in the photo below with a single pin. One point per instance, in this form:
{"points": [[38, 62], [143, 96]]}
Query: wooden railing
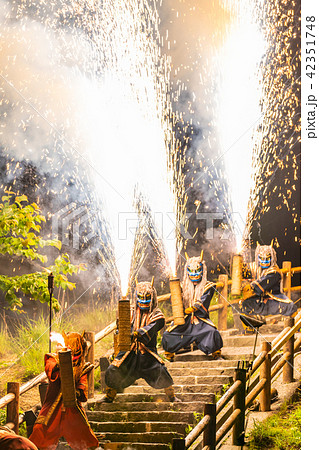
{"points": [[14, 390], [220, 417], [222, 287]]}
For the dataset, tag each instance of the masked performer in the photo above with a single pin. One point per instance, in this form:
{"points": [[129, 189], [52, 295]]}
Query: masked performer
{"points": [[264, 296], [142, 361], [11, 441], [198, 327], [55, 420]]}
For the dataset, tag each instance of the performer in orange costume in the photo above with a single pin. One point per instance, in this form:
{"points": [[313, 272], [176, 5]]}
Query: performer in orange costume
{"points": [[55, 420], [11, 441]]}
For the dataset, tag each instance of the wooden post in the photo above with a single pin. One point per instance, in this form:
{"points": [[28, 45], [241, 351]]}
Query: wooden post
{"points": [[178, 444], [239, 403], [287, 278], [265, 372], [222, 300], [288, 369], [13, 407], [209, 437], [90, 336]]}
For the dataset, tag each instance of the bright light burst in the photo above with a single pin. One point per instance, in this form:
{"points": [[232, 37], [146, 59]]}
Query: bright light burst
{"points": [[101, 96]]}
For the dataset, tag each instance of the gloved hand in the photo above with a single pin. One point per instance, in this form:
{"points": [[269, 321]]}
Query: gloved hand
{"points": [[190, 310], [135, 335], [247, 292]]}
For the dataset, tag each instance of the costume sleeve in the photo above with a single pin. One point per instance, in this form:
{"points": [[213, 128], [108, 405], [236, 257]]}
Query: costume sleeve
{"points": [[203, 303], [266, 283], [147, 332], [51, 367]]}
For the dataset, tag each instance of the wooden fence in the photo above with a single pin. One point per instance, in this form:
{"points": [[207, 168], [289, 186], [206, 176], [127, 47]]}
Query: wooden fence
{"points": [[15, 390], [222, 287], [220, 417]]}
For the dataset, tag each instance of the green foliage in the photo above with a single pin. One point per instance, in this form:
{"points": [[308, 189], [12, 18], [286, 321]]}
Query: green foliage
{"points": [[3, 416], [20, 227], [281, 431]]}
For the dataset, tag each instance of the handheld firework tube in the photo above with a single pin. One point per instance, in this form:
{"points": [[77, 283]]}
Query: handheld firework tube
{"points": [[67, 377], [124, 325], [237, 277], [177, 301], [116, 343]]}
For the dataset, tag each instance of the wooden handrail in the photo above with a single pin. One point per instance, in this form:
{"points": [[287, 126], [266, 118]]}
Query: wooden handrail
{"points": [[229, 394], [230, 416], [197, 431], [223, 430], [4, 401]]}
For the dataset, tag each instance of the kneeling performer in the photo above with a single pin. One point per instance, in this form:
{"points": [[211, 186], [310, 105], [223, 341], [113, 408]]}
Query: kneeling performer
{"points": [[198, 327], [142, 360], [264, 296]]}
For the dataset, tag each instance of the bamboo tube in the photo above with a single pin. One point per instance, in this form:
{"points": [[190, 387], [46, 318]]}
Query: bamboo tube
{"points": [[237, 276], [124, 325], [67, 377], [286, 265], [116, 343], [222, 302], [177, 301]]}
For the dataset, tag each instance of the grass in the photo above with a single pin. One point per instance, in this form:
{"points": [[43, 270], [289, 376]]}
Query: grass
{"points": [[29, 341], [5, 343], [281, 431]]}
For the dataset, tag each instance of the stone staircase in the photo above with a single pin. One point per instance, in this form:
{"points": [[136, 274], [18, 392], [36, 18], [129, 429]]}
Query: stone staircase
{"points": [[141, 418]]}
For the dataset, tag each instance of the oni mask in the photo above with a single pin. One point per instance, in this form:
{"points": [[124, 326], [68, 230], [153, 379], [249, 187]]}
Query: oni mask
{"points": [[145, 295], [194, 268], [265, 256]]}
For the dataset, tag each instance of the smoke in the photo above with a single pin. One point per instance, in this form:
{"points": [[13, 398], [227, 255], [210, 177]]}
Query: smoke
{"points": [[46, 104], [84, 94], [194, 35]]}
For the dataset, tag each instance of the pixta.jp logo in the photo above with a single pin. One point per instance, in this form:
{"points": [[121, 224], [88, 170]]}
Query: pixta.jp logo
{"points": [[72, 224]]}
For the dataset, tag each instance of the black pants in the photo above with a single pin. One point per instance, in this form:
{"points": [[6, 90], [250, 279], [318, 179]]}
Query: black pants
{"points": [[206, 337], [135, 366]]}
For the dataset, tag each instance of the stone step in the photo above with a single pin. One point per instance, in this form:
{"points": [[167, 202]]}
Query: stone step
{"points": [[136, 416], [239, 354], [180, 372], [246, 341], [200, 377], [179, 388], [227, 353], [106, 445], [148, 406], [160, 437], [204, 363], [161, 397], [138, 427], [134, 446], [275, 328]]}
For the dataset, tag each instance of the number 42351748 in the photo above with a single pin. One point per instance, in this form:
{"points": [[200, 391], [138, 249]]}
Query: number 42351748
{"points": [[310, 47]]}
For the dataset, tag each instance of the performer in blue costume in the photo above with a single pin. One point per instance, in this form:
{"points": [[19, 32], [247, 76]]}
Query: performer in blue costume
{"points": [[198, 327], [142, 360], [264, 296]]}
